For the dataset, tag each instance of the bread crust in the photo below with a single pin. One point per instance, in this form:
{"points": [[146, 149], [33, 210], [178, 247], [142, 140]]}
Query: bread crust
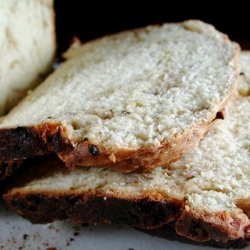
{"points": [[168, 232], [220, 226], [25, 142], [147, 211]]}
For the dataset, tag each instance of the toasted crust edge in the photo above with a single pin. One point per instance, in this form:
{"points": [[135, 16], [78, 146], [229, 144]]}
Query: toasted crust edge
{"points": [[148, 211]]}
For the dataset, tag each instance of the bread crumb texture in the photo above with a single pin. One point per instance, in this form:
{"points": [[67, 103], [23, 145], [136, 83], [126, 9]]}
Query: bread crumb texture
{"points": [[27, 42], [137, 88], [244, 84]]}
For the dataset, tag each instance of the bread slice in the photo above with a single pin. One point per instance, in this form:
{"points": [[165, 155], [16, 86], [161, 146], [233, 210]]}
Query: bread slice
{"points": [[130, 101], [244, 84], [205, 195], [27, 42]]}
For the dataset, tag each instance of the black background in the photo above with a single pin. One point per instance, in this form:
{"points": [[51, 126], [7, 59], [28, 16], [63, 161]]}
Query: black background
{"points": [[91, 19]]}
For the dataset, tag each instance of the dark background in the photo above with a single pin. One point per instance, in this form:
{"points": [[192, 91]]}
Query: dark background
{"points": [[91, 19]]}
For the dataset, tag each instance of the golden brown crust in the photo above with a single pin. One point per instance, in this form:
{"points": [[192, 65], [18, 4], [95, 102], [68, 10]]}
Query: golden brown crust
{"points": [[244, 204]]}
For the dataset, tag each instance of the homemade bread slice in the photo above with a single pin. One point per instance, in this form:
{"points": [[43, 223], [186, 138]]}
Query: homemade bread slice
{"points": [[27, 42], [205, 194], [130, 101]]}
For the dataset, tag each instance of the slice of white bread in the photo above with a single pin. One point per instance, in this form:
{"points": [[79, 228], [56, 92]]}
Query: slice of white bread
{"points": [[130, 101], [205, 195], [244, 84], [27, 42]]}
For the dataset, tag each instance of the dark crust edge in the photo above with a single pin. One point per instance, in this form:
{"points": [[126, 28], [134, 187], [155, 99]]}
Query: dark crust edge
{"points": [[145, 212], [94, 208], [24, 142]]}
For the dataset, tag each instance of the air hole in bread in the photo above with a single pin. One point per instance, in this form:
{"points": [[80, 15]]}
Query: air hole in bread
{"points": [[220, 115], [76, 125]]}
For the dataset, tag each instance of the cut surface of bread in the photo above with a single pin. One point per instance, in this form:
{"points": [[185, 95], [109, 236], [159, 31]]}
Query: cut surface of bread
{"points": [[27, 42], [129, 101], [205, 194], [244, 84]]}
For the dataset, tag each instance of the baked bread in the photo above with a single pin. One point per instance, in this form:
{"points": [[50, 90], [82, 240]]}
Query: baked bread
{"points": [[205, 195], [27, 42], [244, 84], [130, 101]]}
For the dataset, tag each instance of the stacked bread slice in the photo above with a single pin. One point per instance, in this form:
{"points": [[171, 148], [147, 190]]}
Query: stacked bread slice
{"points": [[130, 102], [206, 193], [151, 129], [27, 42]]}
